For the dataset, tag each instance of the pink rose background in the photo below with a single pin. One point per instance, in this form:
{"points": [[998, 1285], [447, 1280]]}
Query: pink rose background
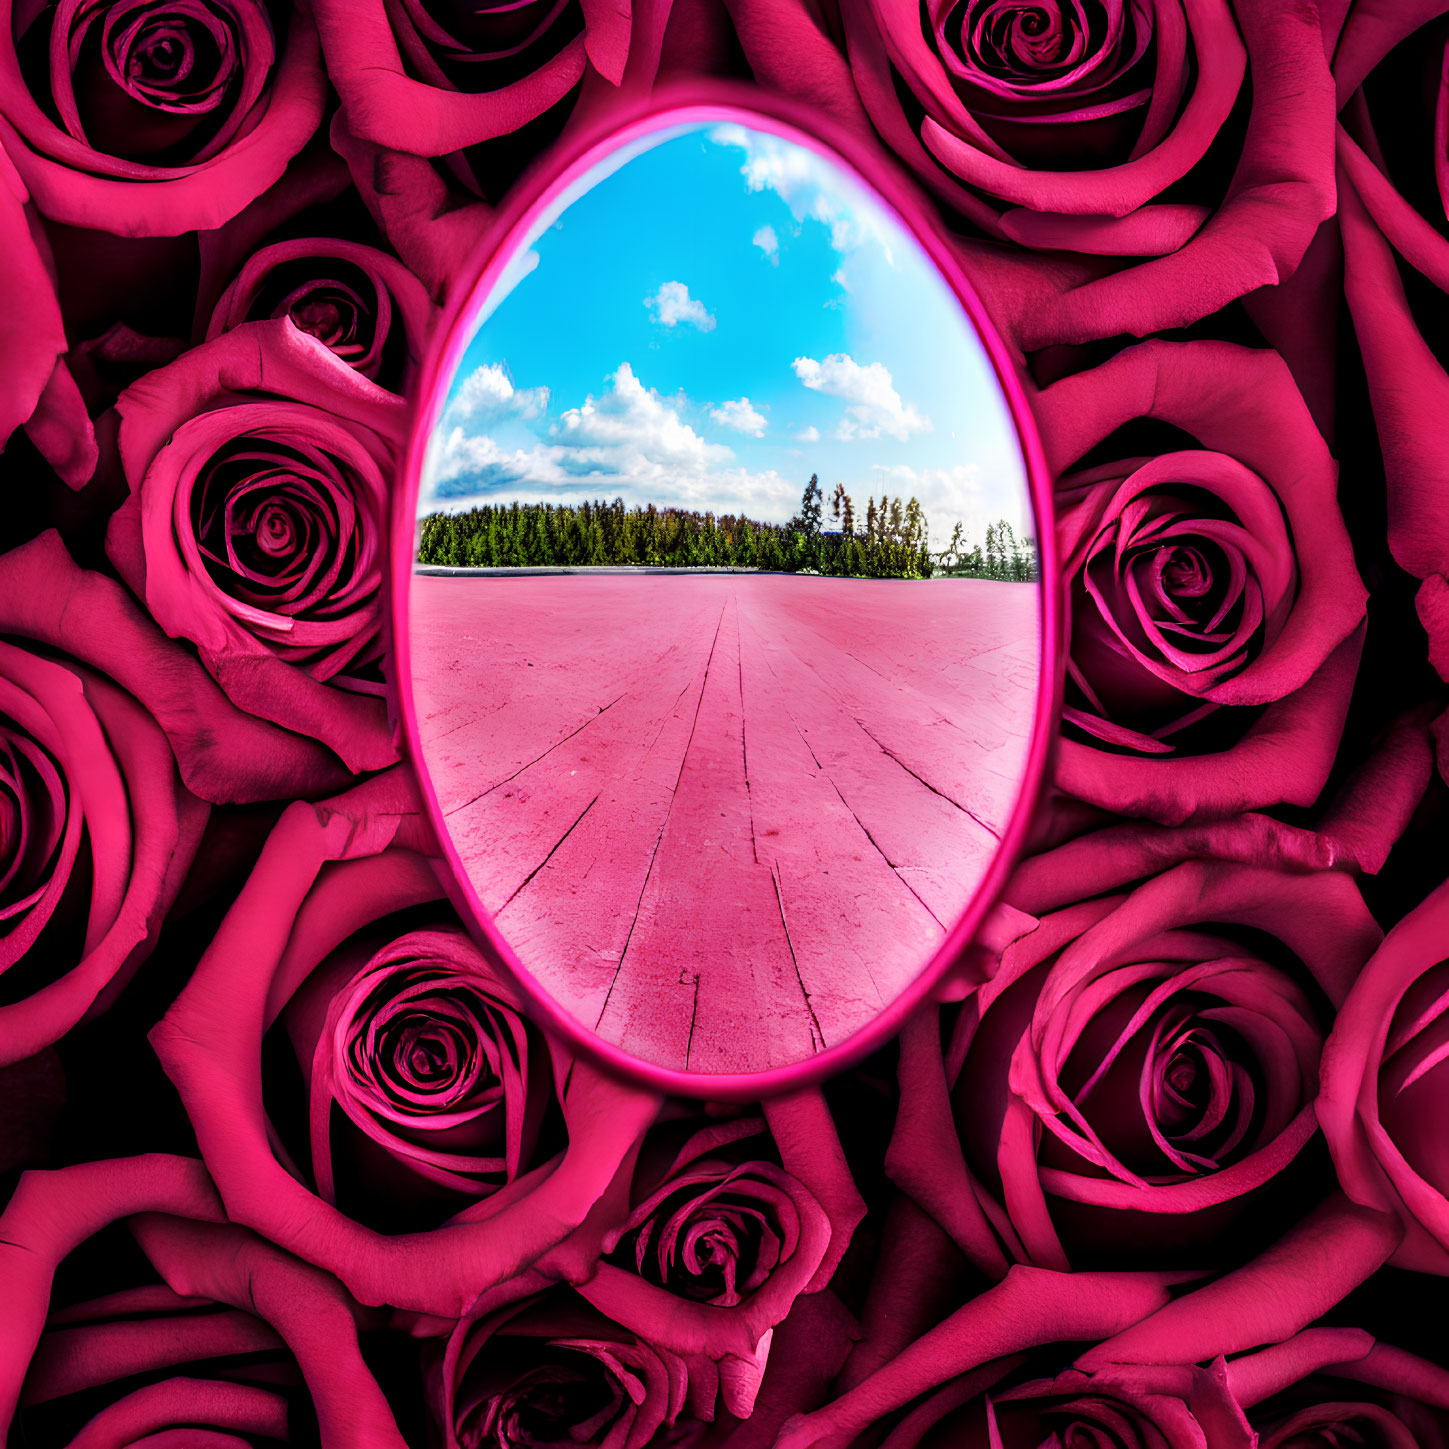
{"points": [[284, 1159]]}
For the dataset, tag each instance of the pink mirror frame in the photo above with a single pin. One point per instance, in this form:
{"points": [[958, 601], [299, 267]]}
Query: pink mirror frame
{"points": [[718, 103]]}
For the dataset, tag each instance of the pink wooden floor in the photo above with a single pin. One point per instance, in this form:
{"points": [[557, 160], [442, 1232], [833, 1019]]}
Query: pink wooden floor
{"points": [[723, 819]]}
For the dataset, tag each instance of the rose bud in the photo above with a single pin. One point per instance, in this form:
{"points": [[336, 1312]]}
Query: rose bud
{"points": [[96, 835], [1213, 597], [222, 1339], [259, 466], [1142, 1066], [1393, 183], [438, 1196], [155, 117], [362, 304], [1108, 132]]}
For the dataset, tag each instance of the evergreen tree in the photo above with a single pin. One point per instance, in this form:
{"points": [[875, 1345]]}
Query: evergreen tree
{"points": [[598, 550], [893, 544], [810, 505]]}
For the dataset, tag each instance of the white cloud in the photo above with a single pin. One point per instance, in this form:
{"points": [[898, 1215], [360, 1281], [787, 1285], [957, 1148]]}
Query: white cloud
{"points": [[636, 424], [740, 414], [808, 435], [672, 304], [455, 454], [768, 243], [488, 391], [873, 406], [628, 441], [809, 185]]}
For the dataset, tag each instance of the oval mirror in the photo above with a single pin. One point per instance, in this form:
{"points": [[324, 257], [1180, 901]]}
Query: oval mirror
{"points": [[724, 654]]}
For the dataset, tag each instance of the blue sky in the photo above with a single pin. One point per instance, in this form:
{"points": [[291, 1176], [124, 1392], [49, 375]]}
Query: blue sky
{"points": [[706, 323]]}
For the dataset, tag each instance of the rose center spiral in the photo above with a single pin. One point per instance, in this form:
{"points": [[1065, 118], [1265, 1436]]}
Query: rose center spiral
{"points": [[168, 56], [334, 313], [558, 1404], [1011, 41], [428, 1054], [1202, 1096], [276, 525], [1186, 574], [180, 59], [319, 316], [275, 528]]}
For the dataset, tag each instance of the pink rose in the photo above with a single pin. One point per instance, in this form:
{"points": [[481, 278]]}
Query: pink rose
{"points": [[1099, 128], [725, 1229], [1142, 1065], [1384, 1085], [423, 1080], [326, 874], [213, 1353], [1212, 591], [154, 117], [479, 85], [260, 466], [551, 1370], [97, 833], [364, 305], [1396, 271], [224, 755]]}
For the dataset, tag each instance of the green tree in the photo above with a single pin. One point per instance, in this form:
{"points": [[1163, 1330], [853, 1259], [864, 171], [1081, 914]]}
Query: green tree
{"points": [[808, 519], [598, 548]]}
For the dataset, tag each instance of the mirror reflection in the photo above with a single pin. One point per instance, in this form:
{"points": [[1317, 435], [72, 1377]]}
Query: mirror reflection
{"points": [[724, 615]]}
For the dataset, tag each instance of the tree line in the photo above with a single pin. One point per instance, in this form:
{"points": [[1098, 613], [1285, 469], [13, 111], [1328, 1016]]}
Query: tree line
{"points": [[890, 541]]}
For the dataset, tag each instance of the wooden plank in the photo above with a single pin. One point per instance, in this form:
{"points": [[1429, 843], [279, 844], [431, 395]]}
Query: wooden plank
{"points": [[708, 980], [724, 819], [857, 928]]}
